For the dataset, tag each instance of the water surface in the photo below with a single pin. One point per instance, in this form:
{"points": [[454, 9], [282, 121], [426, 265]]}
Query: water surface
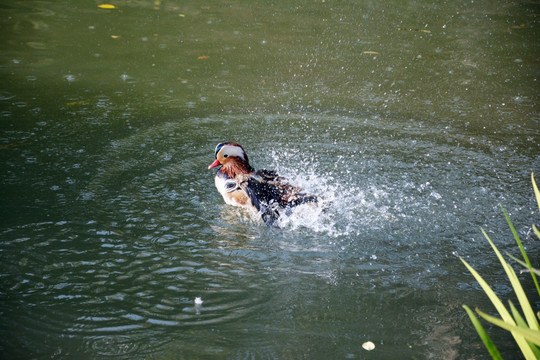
{"points": [[415, 121]]}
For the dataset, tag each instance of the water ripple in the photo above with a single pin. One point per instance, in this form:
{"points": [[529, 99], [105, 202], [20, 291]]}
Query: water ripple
{"points": [[151, 234]]}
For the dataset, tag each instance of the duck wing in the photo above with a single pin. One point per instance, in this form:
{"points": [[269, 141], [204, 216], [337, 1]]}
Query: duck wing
{"points": [[263, 195], [270, 194], [289, 195]]}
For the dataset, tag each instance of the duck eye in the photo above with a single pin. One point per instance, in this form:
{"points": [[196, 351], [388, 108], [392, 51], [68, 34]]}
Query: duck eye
{"points": [[225, 155]]}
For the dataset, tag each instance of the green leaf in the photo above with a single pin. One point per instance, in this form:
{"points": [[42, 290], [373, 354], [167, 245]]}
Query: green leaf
{"points": [[495, 299], [490, 346], [521, 323], [536, 192], [529, 334], [536, 231], [523, 253], [522, 298], [491, 295], [518, 289], [517, 316], [522, 263], [524, 329]]}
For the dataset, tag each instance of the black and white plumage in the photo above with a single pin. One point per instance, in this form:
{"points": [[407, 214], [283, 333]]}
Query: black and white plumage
{"points": [[264, 190]]}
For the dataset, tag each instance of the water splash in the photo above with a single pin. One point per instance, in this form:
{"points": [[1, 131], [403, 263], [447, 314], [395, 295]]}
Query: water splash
{"points": [[343, 203]]}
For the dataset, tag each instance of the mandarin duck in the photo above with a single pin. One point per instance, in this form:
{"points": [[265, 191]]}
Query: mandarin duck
{"points": [[263, 190]]}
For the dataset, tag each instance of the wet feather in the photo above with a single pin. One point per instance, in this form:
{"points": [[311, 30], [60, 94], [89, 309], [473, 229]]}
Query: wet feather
{"points": [[240, 185]]}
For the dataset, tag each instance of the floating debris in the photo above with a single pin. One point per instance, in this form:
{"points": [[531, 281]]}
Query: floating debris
{"points": [[198, 301], [107, 6], [37, 45], [417, 30], [14, 144], [368, 345], [75, 103]]}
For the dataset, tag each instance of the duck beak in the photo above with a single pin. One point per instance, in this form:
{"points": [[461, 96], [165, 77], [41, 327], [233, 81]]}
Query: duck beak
{"points": [[214, 164]]}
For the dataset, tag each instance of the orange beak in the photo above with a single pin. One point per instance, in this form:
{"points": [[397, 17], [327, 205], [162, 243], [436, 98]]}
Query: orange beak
{"points": [[214, 164]]}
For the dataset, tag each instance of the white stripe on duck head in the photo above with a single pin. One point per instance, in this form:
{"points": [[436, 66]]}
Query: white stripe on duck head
{"points": [[232, 158]]}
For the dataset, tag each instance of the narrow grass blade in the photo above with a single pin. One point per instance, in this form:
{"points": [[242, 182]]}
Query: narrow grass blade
{"points": [[523, 253], [517, 316], [536, 231], [536, 192], [522, 263], [490, 346], [518, 289], [522, 298], [536, 350], [491, 295], [495, 299], [529, 334], [521, 323]]}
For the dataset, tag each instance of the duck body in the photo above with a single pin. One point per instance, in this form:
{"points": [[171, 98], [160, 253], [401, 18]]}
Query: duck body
{"points": [[263, 190]]}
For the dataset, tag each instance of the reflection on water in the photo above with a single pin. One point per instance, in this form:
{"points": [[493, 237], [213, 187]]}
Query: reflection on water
{"points": [[412, 122]]}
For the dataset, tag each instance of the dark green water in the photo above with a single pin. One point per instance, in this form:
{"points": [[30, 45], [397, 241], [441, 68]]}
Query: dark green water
{"points": [[416, 120]]}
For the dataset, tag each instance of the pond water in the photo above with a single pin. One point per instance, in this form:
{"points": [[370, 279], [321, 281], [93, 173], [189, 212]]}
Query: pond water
{"points": [[414, 120]]}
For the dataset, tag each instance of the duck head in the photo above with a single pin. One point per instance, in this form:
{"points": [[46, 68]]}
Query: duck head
{"points": [[233, 159]]}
